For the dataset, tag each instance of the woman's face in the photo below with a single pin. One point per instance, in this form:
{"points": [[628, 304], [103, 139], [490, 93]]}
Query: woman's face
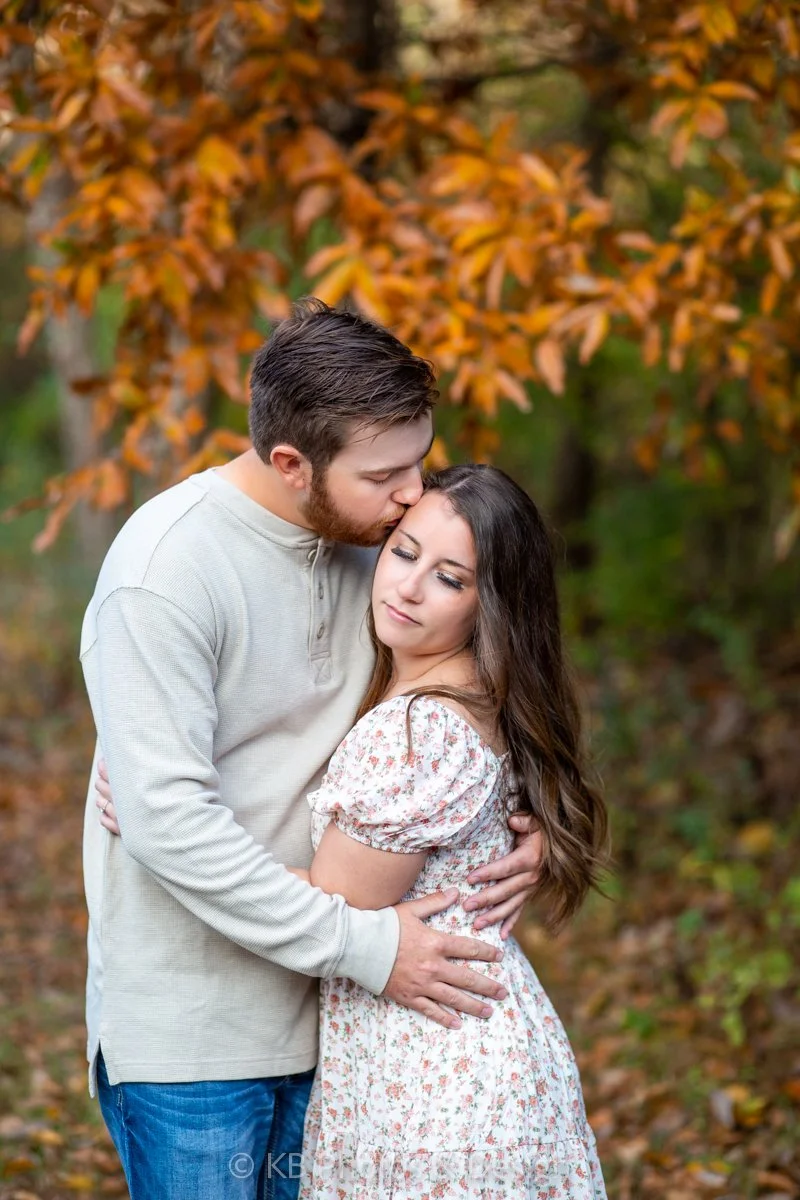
{"points": [[424, 597]]}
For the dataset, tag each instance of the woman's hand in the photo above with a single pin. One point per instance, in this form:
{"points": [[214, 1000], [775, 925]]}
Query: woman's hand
{"points": [[104, 801], [513, 878]]}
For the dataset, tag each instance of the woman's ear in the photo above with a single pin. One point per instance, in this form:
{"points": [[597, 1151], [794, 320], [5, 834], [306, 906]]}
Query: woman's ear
{"points": [[293, 468]]}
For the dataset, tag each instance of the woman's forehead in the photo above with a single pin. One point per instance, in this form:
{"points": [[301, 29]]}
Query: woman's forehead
{"points": [[433, 521]]}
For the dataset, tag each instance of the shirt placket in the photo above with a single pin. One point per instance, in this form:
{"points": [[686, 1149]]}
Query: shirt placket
{"points": [[320, 611]]}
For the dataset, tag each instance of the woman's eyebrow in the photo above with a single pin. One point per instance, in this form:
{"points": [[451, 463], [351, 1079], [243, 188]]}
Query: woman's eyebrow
{"points": [[453, 562]]}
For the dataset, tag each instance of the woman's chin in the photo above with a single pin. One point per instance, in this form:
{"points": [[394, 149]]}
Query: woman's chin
{"points": [[388, 635]]}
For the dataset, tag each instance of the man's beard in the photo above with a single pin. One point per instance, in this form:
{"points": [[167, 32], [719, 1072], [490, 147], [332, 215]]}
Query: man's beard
{"points": [[325, 518]]}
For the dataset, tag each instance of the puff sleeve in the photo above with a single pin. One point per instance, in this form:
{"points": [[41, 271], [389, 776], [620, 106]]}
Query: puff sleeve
{"points": [[391, 798]]}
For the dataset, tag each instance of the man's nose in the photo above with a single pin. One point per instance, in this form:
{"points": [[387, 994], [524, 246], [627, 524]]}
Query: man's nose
{"points": [[410, 489]]}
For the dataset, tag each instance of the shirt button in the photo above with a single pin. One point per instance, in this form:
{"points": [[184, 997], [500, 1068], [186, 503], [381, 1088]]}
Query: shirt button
{"points": [[320, 591], [321, 630]]}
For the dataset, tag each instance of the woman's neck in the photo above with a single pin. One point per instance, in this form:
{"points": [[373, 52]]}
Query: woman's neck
{"points": [[452, 669]]}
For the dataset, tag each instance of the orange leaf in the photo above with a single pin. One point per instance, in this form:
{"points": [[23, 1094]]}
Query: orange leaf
{"points": [[729, 431], [770, 293], [308, 10], [312, 204], [324, 257], [225, 369], [142, 190], [463, 132], [457, 172], [303, 64], [337, 283], [541, 319], [475, 265], [273, 304], [23, 160], [513, 389], [195, 368], [52, 526], [220, 163], [482, 231], [725, 312], [549, 358], [651, 346], [125, 90], [519, 260], [646, 451], [710, 118], [636, 240], [86, 286], [726, 89], [111, 485], [680, 144], [30, 328], [779, 255], [537, 170], [382, 101], [483, 393], [719, 23], [72, 107], [495, 277], [596, 333], [668, 114]]}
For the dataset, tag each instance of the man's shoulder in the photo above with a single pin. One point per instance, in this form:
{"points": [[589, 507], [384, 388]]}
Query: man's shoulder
{"points": [[169, 515], [165, 528]]}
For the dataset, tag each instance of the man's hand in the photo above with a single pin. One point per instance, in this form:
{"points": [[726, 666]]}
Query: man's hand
{"points": [[425, 979], [513, 878]]}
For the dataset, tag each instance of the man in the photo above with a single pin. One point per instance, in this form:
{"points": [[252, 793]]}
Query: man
{"points": [[225, 655]]}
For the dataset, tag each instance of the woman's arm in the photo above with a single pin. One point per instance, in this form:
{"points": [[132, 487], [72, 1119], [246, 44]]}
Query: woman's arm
{"points": [[366, 877]]}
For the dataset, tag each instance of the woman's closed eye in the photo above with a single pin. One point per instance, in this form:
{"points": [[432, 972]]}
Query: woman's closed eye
{"points": [[409, 556]]}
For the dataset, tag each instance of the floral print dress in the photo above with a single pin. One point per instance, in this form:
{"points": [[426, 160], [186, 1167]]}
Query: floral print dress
{"points": [[402, 1108]]}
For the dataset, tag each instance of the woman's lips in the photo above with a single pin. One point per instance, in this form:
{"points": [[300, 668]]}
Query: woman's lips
{"points": [[401, 617]]}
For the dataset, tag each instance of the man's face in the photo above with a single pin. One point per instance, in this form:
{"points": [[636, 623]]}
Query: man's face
{"points": [[369, 484]]}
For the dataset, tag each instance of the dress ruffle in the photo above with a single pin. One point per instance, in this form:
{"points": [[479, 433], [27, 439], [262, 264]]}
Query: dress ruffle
{"points": [[567, 1170]]}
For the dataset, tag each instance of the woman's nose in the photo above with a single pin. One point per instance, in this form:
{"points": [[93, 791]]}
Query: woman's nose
{"points": [[409, 587]]}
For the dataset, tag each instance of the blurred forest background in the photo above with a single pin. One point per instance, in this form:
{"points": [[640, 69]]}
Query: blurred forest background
{"points": [[587, 214]]}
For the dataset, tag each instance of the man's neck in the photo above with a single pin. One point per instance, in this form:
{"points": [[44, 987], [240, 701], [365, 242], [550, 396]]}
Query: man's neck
{"points": [[260, 483]]}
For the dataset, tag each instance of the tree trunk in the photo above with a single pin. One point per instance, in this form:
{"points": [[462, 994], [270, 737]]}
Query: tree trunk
{"points": [[367, 34], [70, 343], [577, 469]]}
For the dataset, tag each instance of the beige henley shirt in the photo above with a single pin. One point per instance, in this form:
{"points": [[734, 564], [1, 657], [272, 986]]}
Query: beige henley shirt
{"points": [[225, 654]]}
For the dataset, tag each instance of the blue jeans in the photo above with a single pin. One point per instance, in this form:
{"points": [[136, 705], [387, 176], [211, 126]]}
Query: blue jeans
{"points": [[220, 1140]]}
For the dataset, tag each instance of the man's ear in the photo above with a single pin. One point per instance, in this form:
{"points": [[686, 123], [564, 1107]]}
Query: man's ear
{"points": [[293, 468]]}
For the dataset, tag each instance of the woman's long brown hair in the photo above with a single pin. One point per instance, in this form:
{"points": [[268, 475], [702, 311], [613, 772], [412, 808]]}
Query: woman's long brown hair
{"points": [[522, 687]]}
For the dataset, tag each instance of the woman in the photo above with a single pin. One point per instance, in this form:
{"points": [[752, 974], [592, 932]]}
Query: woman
{"points": [[469, 714]]}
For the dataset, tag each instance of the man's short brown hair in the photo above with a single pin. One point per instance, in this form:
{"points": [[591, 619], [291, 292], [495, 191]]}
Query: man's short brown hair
{"points": [[324, 372]]}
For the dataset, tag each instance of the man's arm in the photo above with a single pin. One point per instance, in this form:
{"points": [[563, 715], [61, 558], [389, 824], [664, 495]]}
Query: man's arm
{"points": [[151, 683], [152, 693], [512, 878]]}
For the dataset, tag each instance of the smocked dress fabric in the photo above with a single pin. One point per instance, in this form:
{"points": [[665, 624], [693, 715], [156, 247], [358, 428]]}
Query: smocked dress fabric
{"points": [[402, 1108]]}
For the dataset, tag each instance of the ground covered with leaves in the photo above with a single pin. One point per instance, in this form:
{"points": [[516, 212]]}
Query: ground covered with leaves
{"points": [[680, 990]]}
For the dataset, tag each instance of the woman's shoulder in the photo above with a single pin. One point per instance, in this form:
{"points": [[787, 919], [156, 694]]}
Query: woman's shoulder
{"points": [[427, 717]]}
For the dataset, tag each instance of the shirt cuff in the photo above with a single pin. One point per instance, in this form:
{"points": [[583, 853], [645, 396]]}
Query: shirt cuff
{"points": [[373, 939]]}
